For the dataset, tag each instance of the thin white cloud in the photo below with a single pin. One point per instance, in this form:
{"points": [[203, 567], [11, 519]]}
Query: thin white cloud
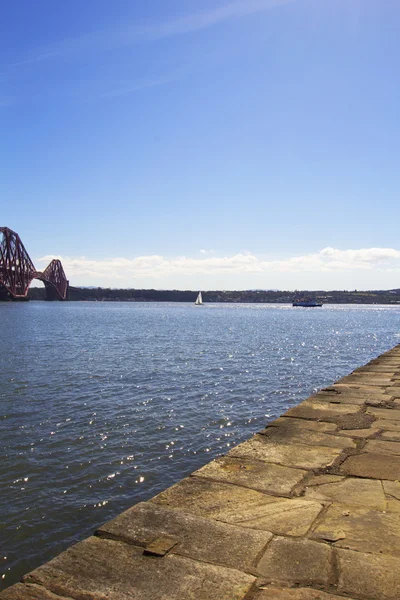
{"points": [[156, 267], [203, 20], [143, 32]]}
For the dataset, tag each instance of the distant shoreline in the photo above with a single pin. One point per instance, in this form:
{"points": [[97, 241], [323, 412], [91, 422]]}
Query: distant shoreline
{"points": [[391, 297]]}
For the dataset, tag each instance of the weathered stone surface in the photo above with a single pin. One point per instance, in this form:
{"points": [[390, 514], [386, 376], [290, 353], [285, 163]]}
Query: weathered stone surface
{"points": [[346, 399], [393, 506], [372, 466], [97, 569], [353, 388], [354, 396], [384, 413], [160, 546], [28, 591], [359, 492], [284, 435], [382, 447], [372, 576], [320, 479], [290, 455], [357, 433], [393, 436], [297, 561], [387, 425], [257, 475], [392, 489], [372, 380], [358, 420], [320, 410], [361, 529], [274, 593], [296, 424], [195, 537], [241, 506], [389, 369]]}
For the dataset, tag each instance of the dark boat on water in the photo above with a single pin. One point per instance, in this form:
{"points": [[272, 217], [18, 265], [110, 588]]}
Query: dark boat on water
{"points": [[306, 302]]}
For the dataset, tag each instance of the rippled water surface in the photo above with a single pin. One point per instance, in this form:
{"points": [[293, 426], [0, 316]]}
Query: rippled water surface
{"points": [[106, 404]]}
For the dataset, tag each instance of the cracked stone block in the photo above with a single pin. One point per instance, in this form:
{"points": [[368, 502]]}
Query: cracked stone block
{"points": [[359, 492], [309, 438], [98, 568], [160, 546], [389, 369], [357, 433], [382, 447], [301, 562], [241, 506], [384, 413], [294, 424], [289, 455], [274, 593], [372, 466], [257, 475], [320, 479], [360, 529], [392, 489], [371, 380], [195, 537], [387, 425], [369, 576], [320, 410], [27, 591]]}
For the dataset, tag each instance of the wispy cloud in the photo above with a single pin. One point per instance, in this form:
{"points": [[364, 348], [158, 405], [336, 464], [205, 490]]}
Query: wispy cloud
{"points": [[144, 32], [203, 20], [157, 267]]}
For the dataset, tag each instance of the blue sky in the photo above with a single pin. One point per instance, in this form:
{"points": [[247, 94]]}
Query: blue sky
{"points": [[204, 143]]}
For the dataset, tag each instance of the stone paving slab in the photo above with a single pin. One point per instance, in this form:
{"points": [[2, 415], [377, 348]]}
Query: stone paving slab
{"points": [[369, 576], [393, 436], [195, 537], [274, 593], [319, 410], [372, 466], [97, 569], [300, 424], [385, 413], [257, 475], [392, 489], [390, 369], [241, 506], [360, 529], [301, 562], [357, 433], [387, 424], [350, 399], [372, 379], [382, 447], [28, 591], [309, 438], [289, 455], [358, 492]]}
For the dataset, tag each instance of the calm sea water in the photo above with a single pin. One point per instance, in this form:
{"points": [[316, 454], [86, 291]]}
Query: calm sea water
{"points": [[105, 404]]}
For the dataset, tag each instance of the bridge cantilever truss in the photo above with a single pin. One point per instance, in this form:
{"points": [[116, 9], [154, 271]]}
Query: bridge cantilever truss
{"points": [[17, 270]]}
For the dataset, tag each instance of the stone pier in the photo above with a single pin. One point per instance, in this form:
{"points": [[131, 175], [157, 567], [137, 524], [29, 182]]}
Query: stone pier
{"points": [[307, 509]]}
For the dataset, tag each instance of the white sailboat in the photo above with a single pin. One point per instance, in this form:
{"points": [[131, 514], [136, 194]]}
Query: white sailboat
{"points": [[199, 300]]}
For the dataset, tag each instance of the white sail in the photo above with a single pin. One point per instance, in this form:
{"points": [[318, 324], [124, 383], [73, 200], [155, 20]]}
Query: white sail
{"points": [[199, 299]]}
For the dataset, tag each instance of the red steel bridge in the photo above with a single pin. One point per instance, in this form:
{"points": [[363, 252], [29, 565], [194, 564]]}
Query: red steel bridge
{"points": [[17, 271]]}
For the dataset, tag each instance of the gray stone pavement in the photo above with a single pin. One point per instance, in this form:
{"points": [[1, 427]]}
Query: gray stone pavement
{"points": [[307, 509]]}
